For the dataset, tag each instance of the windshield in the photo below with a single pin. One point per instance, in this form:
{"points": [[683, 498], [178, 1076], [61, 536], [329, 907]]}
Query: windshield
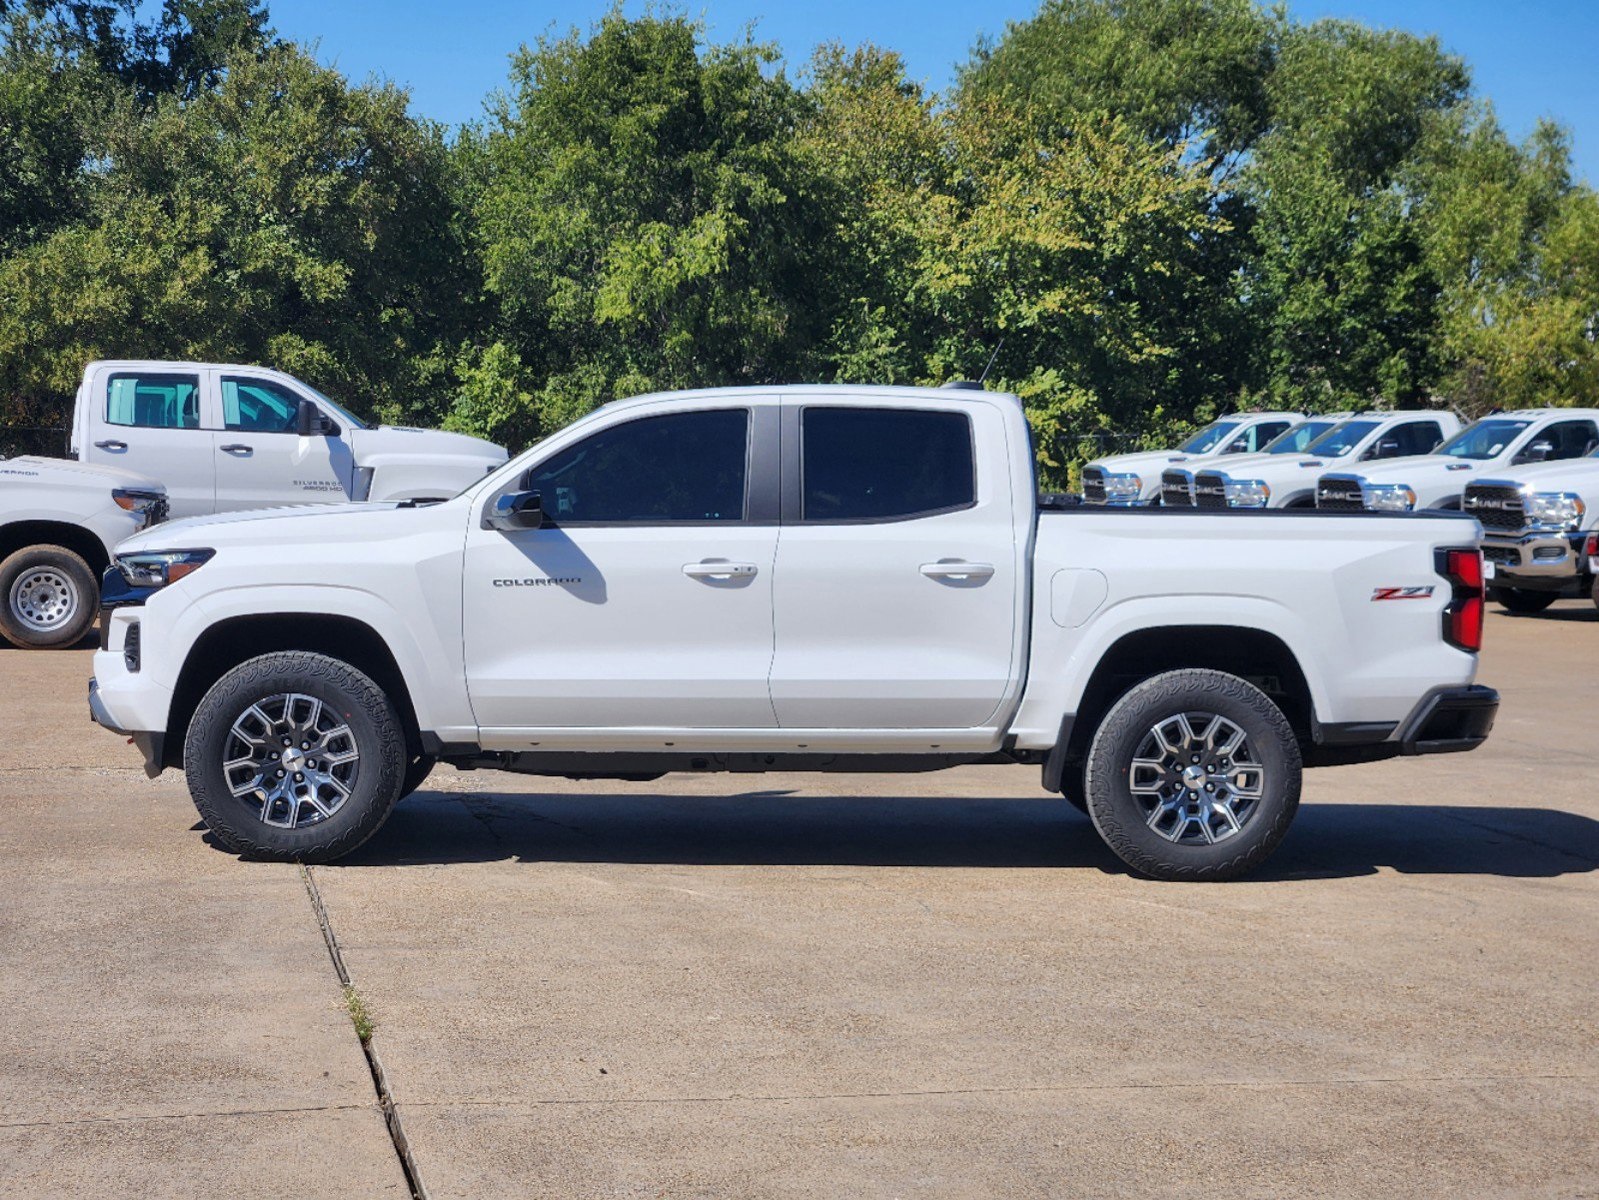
{"points": [[1341, 439], [338, 409], [1208, 438], [1298, 438], [1486, 439]]}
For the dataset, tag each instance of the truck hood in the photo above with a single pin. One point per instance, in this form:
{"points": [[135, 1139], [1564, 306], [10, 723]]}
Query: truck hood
{"points": [[1566, 475], [297, 522], [33, 469], [1423, 466], [397, 442], [1146, 464], [1279, 471]]}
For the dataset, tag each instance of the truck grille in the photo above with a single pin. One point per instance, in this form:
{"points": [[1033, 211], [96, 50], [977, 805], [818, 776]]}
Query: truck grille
{"points": [[1177, 489], [1093, 485], [1340, 493], [159, 511], [1210, 491], [1498, 506], [1506, 556]]}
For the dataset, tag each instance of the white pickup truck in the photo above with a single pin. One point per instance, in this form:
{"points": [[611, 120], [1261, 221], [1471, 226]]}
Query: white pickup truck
{"points": [[223, 437], [1121, 480], [791, 578], [1289, 480], [59, 524], [1542, 532], [1437, 480]]}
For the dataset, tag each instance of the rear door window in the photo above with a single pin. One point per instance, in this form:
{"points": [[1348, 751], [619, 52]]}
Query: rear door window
{"points": [[885, 464], [153, 400]]}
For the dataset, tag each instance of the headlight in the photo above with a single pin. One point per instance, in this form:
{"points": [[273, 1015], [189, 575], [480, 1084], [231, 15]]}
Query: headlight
{"points": [[1248, 493], [1555, 510], [1389, 497], [1125, 486], [152, 506], [157, 568]]}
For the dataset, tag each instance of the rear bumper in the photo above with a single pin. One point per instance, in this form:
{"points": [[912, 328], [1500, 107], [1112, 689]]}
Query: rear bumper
{"points": [[1449, 720], [150, 743]]}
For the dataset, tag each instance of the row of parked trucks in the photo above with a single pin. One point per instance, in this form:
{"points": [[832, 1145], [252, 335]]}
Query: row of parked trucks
{"points": [[1530, 477]]}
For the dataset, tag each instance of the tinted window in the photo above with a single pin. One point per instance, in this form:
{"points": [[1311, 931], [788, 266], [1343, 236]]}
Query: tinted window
{"points": [[257, 406], [1256, 437], [1411, 437], [1341, 439], [1208, 438], [1570, 439], [1299, 438], [153, 401], [865, 464], [680, 467], [1484, 440]]}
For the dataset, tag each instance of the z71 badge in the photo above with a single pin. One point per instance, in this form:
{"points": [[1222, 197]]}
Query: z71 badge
{"points": [[1401, 593]]}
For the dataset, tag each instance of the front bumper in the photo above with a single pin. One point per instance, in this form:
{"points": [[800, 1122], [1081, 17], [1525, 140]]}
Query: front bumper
{"points": [[1539, 561], [150, 743]]}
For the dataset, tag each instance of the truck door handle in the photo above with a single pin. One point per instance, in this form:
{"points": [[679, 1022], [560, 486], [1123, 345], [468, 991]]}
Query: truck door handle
{"points": [[957, 570], [238, 448], [113, 444], [712, 569]]}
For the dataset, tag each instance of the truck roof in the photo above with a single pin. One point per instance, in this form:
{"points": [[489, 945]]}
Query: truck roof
{"points": [[821, 389]]}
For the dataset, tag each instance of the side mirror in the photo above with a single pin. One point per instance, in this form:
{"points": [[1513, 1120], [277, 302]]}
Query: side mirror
{"points": [[1387, 448], [1537, 452], [515, 510], [311, 421]]}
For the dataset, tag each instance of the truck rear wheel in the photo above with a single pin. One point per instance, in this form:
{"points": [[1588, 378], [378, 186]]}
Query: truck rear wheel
{"points": [[48, 597], [295, 757], [1520, 600], [1193, 775]]}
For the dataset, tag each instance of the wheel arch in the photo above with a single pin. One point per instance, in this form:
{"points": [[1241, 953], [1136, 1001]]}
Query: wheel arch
{"points": [[238, 639], [85, 543]]}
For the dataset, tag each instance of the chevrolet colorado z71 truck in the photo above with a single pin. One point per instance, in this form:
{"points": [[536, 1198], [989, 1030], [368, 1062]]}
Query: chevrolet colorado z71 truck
{"points": [[1128, 479], [60, 522], [1541, 523], [223, 438], [1437, 480], [1289, 480], [791, 578]]}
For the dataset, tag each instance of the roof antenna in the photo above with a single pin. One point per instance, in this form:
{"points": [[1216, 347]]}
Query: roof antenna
{"points": [[989, 366]]}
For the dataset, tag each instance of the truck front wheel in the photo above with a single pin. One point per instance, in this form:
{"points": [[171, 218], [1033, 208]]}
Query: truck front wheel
{"points": [[295, 757], [48, 597], [1193, 775]]}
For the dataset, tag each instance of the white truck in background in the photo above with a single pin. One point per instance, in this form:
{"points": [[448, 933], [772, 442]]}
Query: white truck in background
{"points": [[60, 522], [224, 437], [1125, 480], [1437, 480], [1541, 532], [1289, 480], [791, 578]]}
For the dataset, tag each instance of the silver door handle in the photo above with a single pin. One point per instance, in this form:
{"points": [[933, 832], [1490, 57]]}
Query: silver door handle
{"points": [[718, 570], [238, 448], [113, 444], [957, 570]]}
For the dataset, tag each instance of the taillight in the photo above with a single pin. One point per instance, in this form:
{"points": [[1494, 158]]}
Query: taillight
{"points": [[1462, 621], [1592, 548]]}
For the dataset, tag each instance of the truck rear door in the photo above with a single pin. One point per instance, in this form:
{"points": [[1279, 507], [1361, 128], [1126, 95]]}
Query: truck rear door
{"points": [[153, 420], [895, 593]]}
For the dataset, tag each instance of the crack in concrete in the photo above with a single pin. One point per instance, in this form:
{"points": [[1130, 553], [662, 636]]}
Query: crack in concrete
{"points": [[111, 1119], [1155, 1085]]}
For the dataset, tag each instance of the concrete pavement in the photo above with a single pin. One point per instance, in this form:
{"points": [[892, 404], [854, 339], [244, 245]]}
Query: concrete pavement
{"points": [[814, 986]]}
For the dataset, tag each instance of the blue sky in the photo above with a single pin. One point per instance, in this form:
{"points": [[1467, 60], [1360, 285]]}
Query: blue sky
{"points": [[1533, 58]]}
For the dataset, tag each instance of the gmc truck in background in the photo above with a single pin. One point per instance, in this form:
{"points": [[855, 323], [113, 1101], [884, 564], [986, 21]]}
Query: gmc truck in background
{"points": [[1289, 480], [1437, 480], [791, 578], [60, 522], [1129, 479], [223, 438], [1541, 527]]}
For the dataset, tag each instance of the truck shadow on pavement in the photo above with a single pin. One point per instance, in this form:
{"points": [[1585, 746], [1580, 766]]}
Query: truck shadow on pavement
{"points": [[784, 829]]}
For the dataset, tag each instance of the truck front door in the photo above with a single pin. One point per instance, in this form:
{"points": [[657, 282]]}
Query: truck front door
{"points": [[646, 600], [152, 421], [261, 460], [897, 566]]}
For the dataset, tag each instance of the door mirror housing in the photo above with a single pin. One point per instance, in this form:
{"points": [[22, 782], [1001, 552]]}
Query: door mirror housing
{"points": [[311, 421], [512, 511], [1537, 452], [1386, 448]]}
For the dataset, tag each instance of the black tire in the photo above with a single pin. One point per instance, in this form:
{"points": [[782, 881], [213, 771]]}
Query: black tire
{"points": [[1519, 600], [49, 598], [1125, 820], [370, 724], [416, 773]]}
